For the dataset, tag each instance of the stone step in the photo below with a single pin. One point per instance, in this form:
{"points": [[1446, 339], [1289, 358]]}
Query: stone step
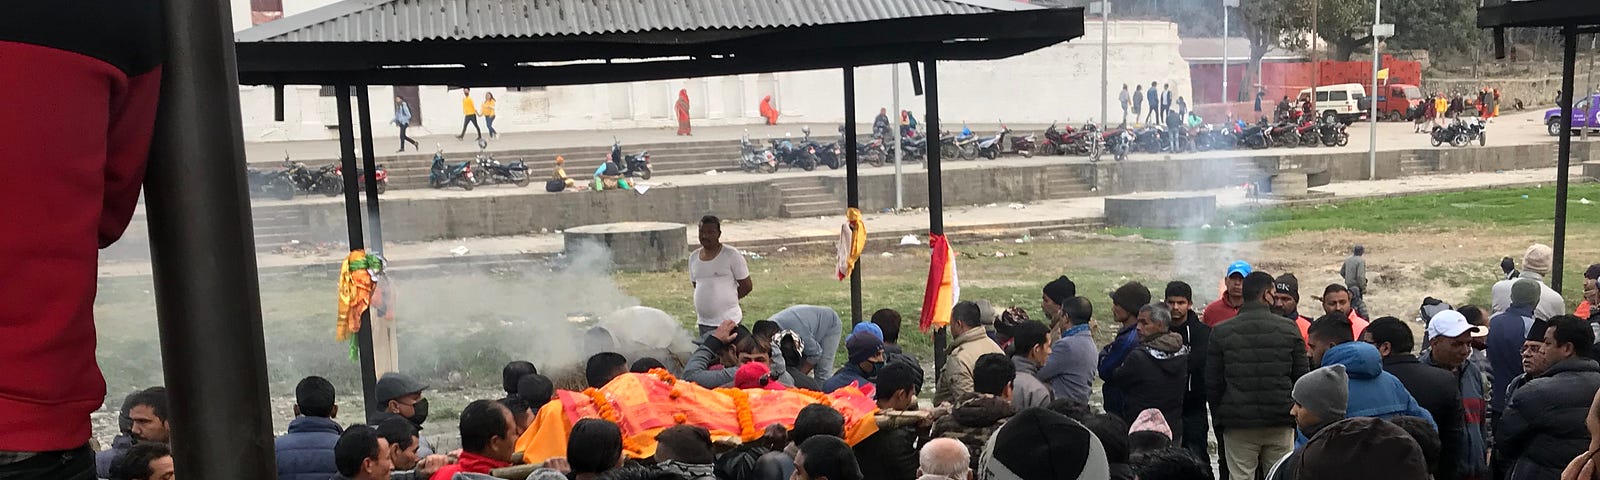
{"points": [[810, 198], [806, 190], [817, 209]]}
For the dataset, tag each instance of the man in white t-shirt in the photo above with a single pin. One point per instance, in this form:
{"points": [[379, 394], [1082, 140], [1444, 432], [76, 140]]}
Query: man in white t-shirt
{"points": [[720, 278]]}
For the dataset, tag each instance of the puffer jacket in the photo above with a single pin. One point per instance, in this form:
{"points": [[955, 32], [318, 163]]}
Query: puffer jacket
{"points": [[973, 420], [1373, 392], [956, 380], [306, 452], [1251, 367], [1155, 375], [1543, 426]]}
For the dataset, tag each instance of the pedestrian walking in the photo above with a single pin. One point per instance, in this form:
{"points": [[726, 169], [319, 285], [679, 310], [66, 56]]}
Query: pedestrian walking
{"points": [[1354, 272], [682, 108], [1183, 109], [469, 114], [402, 119], [1152, 99], [1260, 93], [1122, 99], [488, 113]]}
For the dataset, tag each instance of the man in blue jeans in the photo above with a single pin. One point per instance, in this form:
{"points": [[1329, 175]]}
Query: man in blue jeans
{"points": [[819, 329]]}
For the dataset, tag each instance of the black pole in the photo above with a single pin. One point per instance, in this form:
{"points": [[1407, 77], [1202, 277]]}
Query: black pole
{"points": [[277, 103], [852, 182], [352, 216], [202, 255], [1569, 59], [935, 186], [369, 363]]}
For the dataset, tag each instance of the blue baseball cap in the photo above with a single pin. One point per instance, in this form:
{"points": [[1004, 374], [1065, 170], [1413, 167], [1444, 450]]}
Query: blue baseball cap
{"points": [[868, 327], [1240, 268]]}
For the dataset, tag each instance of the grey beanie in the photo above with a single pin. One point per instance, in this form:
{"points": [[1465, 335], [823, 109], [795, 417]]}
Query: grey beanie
{"points": [[1324, 391], [1525, 291]]}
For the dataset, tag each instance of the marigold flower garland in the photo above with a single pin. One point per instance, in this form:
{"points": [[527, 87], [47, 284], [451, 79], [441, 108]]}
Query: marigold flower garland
{"points": [[609, 413], [741, 403]]}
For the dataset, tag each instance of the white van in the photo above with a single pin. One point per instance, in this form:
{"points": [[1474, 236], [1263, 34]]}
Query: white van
{"points": [[1340, 102]]}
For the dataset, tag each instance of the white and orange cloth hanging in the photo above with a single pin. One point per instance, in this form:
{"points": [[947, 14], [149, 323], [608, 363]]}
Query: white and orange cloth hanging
{"points": [[852, 241]]}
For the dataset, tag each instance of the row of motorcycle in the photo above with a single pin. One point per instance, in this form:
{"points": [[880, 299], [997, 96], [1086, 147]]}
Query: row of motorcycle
{"points": [[484, 169], [1459, 133], [294, 178], [1088, 141]]}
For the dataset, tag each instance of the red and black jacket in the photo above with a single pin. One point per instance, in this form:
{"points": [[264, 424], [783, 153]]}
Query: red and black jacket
{"points": [[79, 82]]}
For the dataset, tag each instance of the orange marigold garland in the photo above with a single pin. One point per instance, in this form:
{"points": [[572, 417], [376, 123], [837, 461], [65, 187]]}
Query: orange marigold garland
{"points": [[664, 376], [609, 413], [820, 397], [747, 421]]}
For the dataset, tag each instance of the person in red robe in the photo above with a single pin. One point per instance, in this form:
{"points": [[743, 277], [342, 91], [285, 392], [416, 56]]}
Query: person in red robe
{"points": [[683, 112], [767, 111]]}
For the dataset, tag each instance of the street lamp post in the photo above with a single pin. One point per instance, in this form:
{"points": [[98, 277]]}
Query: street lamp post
{"points": [[1105, 51], [1379, 30]]}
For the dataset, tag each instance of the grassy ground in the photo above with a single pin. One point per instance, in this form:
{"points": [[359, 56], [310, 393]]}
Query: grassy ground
{"points": [[1529, 208]]}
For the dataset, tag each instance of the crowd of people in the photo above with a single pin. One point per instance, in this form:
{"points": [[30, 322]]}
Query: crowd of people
{"points": [[1507, 391], [1158, 107]]}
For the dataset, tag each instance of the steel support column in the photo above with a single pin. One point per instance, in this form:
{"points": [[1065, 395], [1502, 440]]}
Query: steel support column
{"points": [[1569, 60], [935, 186], [852, 182], [202, 255], [352, 216], [369, 171]]}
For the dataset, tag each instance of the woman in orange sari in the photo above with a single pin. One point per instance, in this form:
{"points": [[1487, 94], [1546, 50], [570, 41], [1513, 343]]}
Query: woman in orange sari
{"points": [[683, 112], [767, 111]]}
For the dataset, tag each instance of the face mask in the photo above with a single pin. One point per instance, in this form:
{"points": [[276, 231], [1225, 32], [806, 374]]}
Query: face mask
{"points": [[877, 367], [421, 408]]}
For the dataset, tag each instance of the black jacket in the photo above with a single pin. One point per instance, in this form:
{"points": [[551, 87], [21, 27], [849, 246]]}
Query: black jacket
{"points": [[1543, 427], [1251, 367], [1154, 376], [1439, 392], [1197, 335], [888, 454]]}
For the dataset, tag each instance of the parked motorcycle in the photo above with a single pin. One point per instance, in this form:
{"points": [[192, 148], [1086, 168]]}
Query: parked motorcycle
{"points": [[1086, 142], [636, 165], [1284, 135], [1024, 144], [1476, 131], [442, 175], [382, 175], [1458, 134], [1310, 133], [321, 180], [795, 155], [829, 154], [752, 159], [1118, 143], [989, 147], [274, 183], [1150, 139], [1256, 136], [873, 152], [489, 170], [1333, 134], [913, 147]]}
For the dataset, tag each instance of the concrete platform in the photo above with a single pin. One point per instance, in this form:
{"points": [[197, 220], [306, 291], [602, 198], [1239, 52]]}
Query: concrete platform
{"points": [[1161, 210], [633, 246]]}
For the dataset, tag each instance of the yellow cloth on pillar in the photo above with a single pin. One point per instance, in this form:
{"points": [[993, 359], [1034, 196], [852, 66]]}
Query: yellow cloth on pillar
{"points": [[644, 404], [355, 294], [852, 241]]}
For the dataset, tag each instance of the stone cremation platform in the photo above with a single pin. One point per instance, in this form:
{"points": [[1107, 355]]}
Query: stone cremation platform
{"points": [[1160, 210], [634, 246]]}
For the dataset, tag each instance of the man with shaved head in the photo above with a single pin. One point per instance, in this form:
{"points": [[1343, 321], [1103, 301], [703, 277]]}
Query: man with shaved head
{"points": [[944, 459]]}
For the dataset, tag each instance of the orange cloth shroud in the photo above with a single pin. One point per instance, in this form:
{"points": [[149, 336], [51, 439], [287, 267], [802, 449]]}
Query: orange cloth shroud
{"points": [[644, 404]]}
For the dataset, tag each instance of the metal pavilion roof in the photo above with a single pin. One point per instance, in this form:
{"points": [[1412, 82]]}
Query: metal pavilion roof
{"points": [[1538, 13], [418, 20]]}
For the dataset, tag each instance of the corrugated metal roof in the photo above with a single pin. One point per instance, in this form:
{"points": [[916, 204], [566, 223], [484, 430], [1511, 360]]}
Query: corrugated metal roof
{"points": [[417, 20]]}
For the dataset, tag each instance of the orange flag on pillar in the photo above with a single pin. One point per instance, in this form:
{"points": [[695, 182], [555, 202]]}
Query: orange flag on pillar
{"points": [[943, 288]]}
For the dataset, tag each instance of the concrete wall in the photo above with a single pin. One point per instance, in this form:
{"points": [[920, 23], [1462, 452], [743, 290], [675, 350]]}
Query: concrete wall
{"points": [[1061, 82], [517, 214]]}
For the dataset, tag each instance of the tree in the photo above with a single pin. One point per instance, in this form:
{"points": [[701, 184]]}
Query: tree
{"points": [[1439, 26], [1346, 25], [1267, 24]]}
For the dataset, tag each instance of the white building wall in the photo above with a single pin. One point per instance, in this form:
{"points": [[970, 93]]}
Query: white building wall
{"points": [[1059, 83]]}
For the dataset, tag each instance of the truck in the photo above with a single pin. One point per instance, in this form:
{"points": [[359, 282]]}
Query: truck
{"points": [[1395, 99], [1582, 116]]}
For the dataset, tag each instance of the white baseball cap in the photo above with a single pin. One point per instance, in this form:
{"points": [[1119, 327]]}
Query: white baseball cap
{"points": [[1450, 323]]}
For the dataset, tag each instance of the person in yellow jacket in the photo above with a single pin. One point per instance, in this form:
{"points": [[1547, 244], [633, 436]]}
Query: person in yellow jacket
{"points": [[488, 114], [1441, 105], [471, 113]]}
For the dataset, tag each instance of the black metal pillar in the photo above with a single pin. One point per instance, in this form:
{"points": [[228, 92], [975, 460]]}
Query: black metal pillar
{"points": [[935, 186], [352, 216], [202, 254], [852, 182], [1569, 59], [369, 173], [277, 103]]}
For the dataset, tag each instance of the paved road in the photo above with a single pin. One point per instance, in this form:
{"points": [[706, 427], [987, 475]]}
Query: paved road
{"points": [[771, 231]]}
